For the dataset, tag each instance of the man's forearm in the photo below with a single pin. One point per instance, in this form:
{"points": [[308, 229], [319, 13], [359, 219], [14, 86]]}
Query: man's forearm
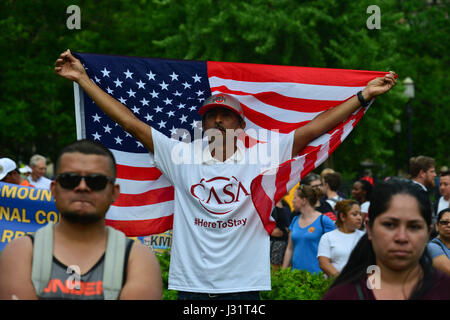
{"points": [[113, 108], [329, 119], [118, 112], [324, 122]]}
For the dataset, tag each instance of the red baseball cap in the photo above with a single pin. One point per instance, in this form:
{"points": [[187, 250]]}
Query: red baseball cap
{"points": [[221, 100]]}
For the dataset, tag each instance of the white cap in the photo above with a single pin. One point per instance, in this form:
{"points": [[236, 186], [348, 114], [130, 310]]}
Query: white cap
{"points": [[6, 166], [25, 169], [221, 100]]}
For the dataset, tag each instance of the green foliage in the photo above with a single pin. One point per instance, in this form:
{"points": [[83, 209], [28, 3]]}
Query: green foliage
{"points": [[287, 284], [290, 284], [36, 109], [164, 262]]}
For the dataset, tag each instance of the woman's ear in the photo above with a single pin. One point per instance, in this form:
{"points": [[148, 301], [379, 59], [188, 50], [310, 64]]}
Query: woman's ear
{"points": [[342, 216], [116, 192]]}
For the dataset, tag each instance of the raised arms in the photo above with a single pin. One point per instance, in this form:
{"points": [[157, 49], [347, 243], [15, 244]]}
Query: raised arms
{"points": [[67, 66], [332, 117]]}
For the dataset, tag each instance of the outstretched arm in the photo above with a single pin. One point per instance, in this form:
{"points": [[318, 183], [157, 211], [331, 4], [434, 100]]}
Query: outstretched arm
{"points": [[67, 66], [329, 119]]}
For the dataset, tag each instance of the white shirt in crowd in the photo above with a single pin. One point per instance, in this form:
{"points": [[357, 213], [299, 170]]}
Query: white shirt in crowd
{"points": [[443, 204], [219, 244], [41, 183], [332, 201], [365, 207], [337, 246]]}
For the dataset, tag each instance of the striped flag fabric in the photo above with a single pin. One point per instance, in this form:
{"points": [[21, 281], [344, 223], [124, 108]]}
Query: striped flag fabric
{"points": [[166, 94]]}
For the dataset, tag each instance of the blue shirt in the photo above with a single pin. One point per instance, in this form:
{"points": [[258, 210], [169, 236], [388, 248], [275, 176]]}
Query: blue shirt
{"points": [[306, 243], [437, 248]]}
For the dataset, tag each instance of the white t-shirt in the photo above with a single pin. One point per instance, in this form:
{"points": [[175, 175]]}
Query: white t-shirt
{"points": [[337, 246], [332, 201], [219, 244], [365, 207], [41, 183], [442, 204]]}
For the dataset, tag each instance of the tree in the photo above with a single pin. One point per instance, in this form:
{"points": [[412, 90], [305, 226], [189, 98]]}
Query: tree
{"points": [[36, 112]]}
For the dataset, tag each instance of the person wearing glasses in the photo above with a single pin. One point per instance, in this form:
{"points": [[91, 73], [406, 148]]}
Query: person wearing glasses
{"points": [[439, 247], [37, 177], [83, 189], [313, 179]]}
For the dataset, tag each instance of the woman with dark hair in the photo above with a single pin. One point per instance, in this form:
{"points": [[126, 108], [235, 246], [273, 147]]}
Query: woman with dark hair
{"points": [[394, 248], [361, 192]]}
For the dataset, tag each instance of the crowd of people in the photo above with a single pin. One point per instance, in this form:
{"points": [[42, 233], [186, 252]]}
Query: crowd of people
{"points": [[32, 175], [318, 235], [386, 225], [311, 247]]}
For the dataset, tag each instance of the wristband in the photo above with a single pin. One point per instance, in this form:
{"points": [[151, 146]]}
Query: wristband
{"points": [[363, 102]]}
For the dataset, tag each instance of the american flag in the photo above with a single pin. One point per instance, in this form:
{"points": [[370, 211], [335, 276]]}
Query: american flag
{"points": [[166, 94]]}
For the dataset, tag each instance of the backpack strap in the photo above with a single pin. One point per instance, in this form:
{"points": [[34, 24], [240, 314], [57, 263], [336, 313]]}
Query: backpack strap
{"points": [[42, 258], [321, 223], [114, 264], [439, 243]]}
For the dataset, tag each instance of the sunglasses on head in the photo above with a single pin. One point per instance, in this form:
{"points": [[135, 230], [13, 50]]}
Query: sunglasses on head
{"points": [[95, 182]]}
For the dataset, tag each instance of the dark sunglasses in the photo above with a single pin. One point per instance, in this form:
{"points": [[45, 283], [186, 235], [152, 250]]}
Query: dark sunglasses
{"points": [[95, 182], [444, 222]]}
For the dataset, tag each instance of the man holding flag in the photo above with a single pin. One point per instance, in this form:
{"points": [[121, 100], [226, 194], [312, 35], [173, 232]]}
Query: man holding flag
{"points": [[220, 248]]}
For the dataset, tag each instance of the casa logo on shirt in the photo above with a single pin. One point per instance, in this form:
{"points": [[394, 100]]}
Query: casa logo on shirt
{"points": [[219, 195]]}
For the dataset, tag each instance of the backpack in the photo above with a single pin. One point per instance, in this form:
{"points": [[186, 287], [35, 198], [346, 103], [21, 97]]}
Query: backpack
{"points": [[113, 265]]}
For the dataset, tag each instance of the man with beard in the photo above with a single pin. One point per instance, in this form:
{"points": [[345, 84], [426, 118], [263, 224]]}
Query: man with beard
{"points": [[83, 190], [423, 171]]}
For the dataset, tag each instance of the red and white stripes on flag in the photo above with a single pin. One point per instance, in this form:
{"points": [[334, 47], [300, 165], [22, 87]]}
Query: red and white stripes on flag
{"points": [[145, 204], [273, 97], [286, 98]]}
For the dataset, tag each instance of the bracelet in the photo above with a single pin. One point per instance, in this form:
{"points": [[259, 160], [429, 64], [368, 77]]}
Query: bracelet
{"points": [[363, 102]]}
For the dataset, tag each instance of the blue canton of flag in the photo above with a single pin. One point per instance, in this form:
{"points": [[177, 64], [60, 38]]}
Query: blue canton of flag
{"points": [[165, 94]]}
